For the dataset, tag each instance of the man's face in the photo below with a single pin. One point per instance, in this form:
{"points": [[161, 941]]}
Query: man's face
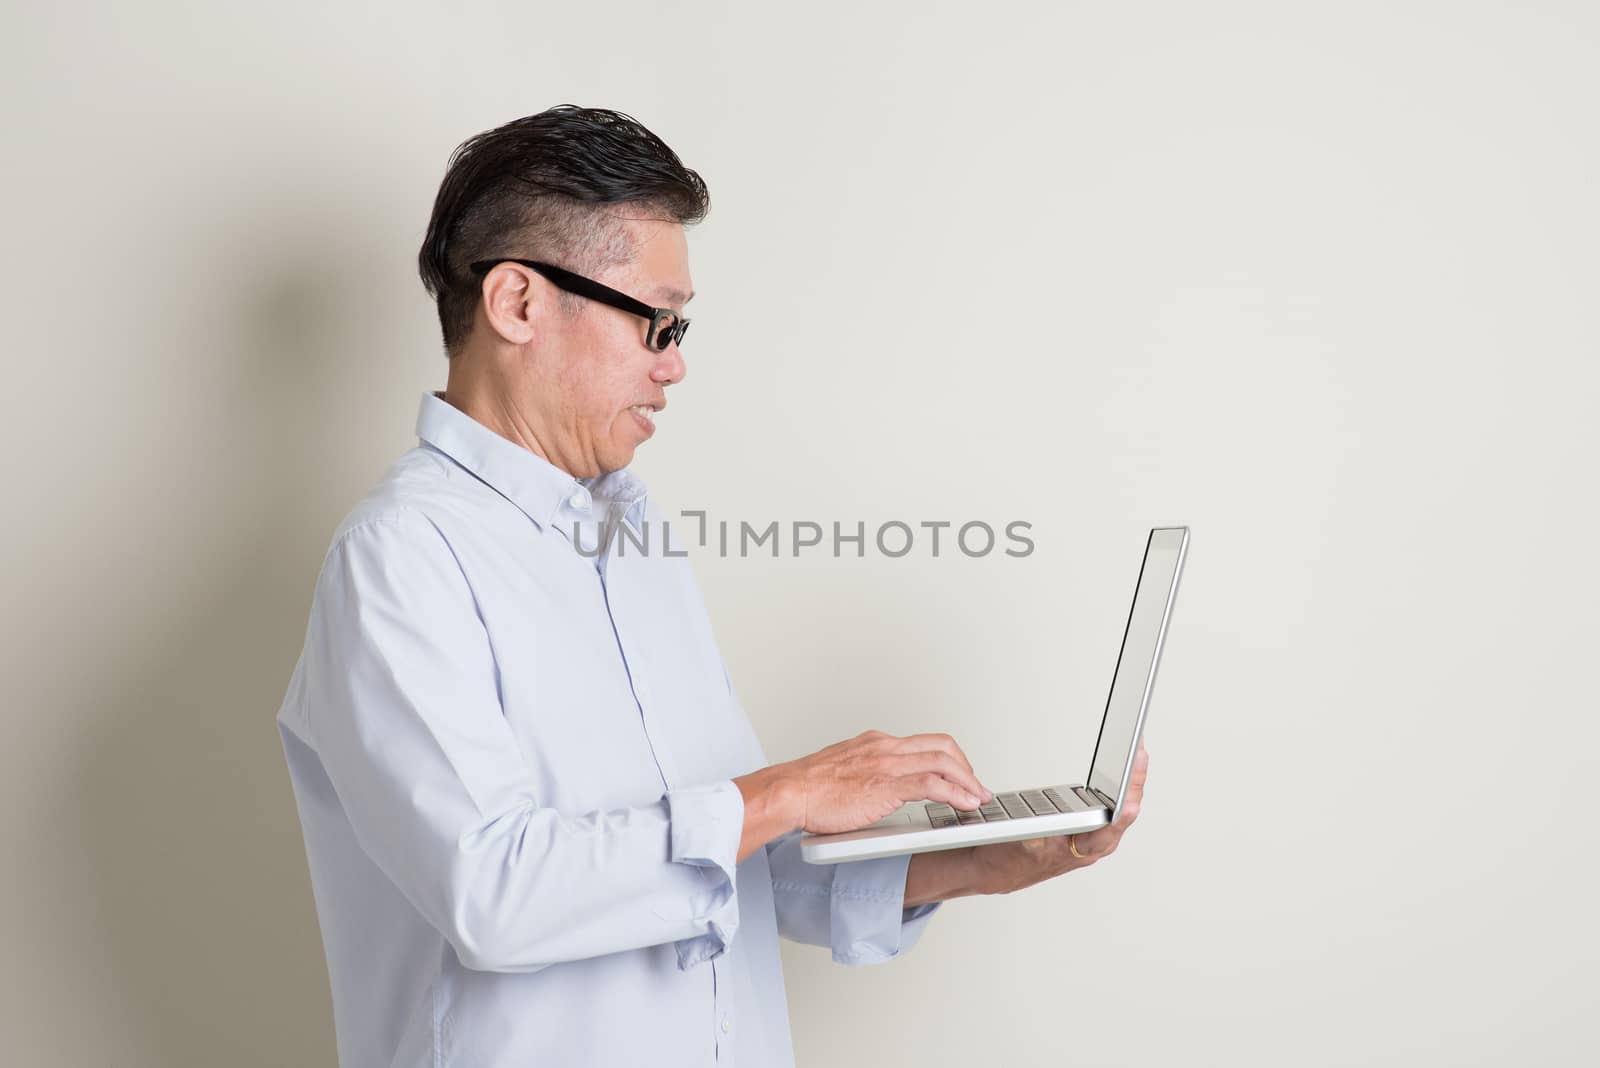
{"points": [[595, 387]]}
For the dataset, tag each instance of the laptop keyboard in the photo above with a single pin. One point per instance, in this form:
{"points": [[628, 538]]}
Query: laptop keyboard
{"points": [[1013, 806]]}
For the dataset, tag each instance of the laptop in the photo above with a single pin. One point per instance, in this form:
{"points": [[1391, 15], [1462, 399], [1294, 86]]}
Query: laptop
{"points": [[1068, 808]]}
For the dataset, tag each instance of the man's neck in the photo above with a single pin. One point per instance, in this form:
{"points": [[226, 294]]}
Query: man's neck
{"points": [[486, 407], [478, 386]]}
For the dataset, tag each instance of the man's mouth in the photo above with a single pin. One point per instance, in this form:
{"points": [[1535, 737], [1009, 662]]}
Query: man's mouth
{"points": [[645, 414]]}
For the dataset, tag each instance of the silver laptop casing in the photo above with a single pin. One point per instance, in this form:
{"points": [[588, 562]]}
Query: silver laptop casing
{"points": [[909, 829]]}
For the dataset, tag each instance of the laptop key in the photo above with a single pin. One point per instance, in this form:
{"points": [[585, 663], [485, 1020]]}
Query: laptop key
{"points": [[1087, 798], [993, 810], [969, 817], [1015, 807], [1039, 803]]}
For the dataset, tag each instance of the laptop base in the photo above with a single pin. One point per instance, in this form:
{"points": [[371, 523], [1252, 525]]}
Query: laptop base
{"points": [[919, 828]]}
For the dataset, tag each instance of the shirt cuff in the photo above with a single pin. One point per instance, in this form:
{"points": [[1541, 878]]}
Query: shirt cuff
{"points": [[707, 823], [870, 922]]}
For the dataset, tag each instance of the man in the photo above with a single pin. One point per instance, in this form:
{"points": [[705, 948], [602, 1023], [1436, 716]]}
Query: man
{"points": [[540, 828]]}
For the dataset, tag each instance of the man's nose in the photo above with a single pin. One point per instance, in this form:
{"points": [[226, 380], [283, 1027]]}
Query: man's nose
{"points": [[670, 367]]}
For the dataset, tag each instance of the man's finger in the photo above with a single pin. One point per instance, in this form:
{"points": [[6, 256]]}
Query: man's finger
{"points": [[930, 786], [1095, 844], [937, 761], [1104, 840], [945, 746], [922, 743], [1141, 767]]}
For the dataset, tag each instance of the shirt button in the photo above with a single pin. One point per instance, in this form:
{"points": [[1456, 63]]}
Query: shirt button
{"points": [[579, 501], [727, 1024]]}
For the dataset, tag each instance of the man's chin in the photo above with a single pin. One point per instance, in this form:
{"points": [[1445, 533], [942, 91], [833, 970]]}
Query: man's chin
{"points": [[615, 461]]}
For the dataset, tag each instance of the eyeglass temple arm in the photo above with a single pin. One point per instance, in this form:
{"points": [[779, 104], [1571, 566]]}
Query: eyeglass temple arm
{"points": [[586, 287]]}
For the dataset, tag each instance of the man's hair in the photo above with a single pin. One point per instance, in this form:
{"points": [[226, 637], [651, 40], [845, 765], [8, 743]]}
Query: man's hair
{"points": [[541, 188]]}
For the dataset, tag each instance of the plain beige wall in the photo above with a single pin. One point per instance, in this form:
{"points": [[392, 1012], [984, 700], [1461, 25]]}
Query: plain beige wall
{"points": [[1318, 280]]}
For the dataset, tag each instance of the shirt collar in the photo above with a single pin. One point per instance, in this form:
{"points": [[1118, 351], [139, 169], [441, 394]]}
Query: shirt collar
{"points": [[545, 493]]}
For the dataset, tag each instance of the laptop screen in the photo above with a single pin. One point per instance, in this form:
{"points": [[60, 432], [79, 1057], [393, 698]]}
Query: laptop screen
{"points": [[1136, 664]]}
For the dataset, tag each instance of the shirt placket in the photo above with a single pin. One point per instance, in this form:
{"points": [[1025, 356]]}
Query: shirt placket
{"points": [[613, 579], [722, 1017]]}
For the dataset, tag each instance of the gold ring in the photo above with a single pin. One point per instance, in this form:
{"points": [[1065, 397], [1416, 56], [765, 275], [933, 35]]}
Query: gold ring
{"points": [[1072, 845]]}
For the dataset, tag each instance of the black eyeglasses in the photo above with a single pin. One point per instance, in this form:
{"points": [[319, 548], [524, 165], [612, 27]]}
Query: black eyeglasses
{"points": [[666, 325]]}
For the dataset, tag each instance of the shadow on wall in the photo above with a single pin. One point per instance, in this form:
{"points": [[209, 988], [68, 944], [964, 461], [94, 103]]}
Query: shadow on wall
{"points": [[202, 907]]}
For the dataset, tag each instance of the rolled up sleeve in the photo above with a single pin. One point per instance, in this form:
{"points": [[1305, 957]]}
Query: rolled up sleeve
{"points": [[856, 909], [707, 823], [402, 709]]}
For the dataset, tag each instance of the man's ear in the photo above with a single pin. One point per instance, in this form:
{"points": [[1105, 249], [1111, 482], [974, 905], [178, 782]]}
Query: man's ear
{"points": [[508, 303]]}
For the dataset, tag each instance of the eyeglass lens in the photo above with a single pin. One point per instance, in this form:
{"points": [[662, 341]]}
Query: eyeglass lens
{"points": [[666, 330]]}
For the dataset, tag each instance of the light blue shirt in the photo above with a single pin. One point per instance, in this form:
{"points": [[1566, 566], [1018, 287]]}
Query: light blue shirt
{"points": [[513, 766]]}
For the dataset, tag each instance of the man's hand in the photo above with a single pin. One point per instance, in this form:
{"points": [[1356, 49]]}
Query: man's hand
{"points": [[853, 783], [1007, 866]]}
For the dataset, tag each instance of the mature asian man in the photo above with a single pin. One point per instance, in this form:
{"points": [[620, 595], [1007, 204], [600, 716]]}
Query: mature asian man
{"points": [[541, 830]]}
